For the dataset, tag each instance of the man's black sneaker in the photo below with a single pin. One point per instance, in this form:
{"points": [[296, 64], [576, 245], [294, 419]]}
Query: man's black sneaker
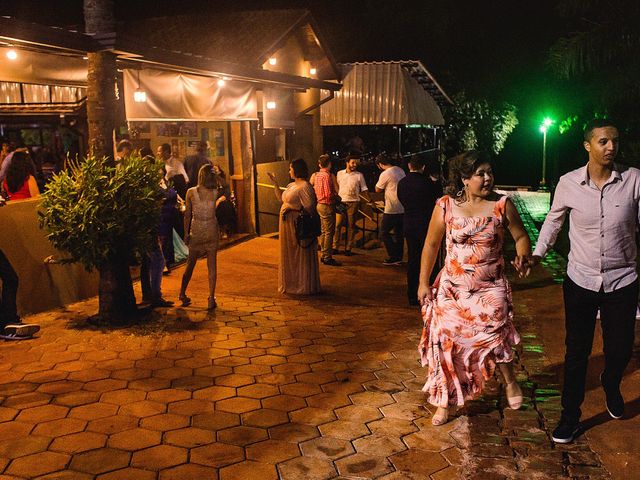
{"points": [[331, 262], [391, 261], [614, 401], [565, 432]]}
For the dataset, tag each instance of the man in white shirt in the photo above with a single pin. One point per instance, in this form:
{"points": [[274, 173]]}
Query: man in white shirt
{"points": [[351, 185], [174, 169], [392, 217], [602, 200]]}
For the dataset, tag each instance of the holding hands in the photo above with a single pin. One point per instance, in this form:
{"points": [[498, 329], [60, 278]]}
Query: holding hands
{"points": [[524, 263]]}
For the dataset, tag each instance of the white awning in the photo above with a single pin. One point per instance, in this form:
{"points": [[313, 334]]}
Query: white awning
{"points": [[182, 97], [43, 68], [381, 93]]}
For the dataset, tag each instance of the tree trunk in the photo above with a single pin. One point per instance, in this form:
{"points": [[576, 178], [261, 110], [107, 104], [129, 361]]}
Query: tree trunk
{"points": [[117, 302], [101, 100]]}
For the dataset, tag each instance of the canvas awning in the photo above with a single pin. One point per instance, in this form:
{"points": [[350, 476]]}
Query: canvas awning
{"points": [[182, 97], [384, 93]]}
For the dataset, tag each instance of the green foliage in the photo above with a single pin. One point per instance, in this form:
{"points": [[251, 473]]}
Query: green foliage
{"points": [[97, 213], [477, 124]]}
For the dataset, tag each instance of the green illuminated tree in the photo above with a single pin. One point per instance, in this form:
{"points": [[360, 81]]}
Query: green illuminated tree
{"points": [[477, 124], [103, 217]]}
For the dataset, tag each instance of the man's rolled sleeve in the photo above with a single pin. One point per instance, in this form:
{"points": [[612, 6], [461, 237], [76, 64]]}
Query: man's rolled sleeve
{"points": [[553, 222]]}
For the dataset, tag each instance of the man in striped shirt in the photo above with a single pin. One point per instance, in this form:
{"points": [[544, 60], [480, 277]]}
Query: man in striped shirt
{"points": [[326, 188]]}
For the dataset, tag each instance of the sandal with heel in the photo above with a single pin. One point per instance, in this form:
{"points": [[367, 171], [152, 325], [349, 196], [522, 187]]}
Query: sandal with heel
{"points": [[515, 401], [440, 417]]}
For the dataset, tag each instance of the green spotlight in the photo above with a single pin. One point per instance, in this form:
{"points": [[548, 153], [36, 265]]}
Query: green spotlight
{"points": [[547, 122]]}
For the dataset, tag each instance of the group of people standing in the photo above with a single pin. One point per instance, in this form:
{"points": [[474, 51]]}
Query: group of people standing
{"points": [[468, 311]]}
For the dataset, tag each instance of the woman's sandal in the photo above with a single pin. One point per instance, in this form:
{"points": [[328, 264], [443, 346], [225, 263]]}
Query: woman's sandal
{"points": [[515, 401], [440, 417], [186, 301], [212, 303]]}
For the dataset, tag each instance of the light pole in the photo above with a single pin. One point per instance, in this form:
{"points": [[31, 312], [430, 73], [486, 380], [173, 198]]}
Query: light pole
{"points": [[543, 128]]}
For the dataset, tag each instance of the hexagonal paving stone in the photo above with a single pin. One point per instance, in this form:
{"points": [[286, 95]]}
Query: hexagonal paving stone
{"points": [[113, 424], [308, 468], [190, 407], [235, 380], [294, 432], [37, 464], [264, 418], [79, 442], [131, 374], [92, 411], [238, 405], [150, 384], [135, 439], [361, 465], [144, 408], [75, 399], [190, 437], [344, 429], [312, 416], [301, 389], [159, 457], [284, 403], [432, 440], [393, 427], [14, 430], [122, 397], [379, 445], [62, 386], [217, 455], [67, 475], [128, 474], [165, 422], [214, 394], [372, 399], [272, 451], [327, 448], [249, 469], [189, 472], [167, 395], [26, 446], [58, 428], [7, 414], [42, 414], [405, 411], [418, 461], [242, 435], [105, 385], [258, 390], [358, 413], [100, 461]]}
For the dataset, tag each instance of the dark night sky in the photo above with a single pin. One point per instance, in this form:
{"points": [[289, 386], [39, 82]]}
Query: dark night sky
{"points": [[492, 48]]}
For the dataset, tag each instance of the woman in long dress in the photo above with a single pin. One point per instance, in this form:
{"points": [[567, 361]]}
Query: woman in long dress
{"points": [[298, 272], [201, 231], [468, 311]]}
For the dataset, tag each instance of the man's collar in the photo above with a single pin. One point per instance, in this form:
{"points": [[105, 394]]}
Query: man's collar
{"points": [[583, 174]]}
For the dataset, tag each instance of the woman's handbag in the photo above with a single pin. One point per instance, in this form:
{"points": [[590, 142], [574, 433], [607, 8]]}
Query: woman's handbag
{"points": [[307, 227]]}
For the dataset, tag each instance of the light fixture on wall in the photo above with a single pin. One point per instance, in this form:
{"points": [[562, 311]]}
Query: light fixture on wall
{"points": [[12, 54], [221, 82], [271, 105], [273, 61], [139, 96], [313, 70]]}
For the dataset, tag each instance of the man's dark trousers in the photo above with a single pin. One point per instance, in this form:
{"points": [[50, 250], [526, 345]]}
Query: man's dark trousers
{"points": [[9, 277], [394, 243], [415, 233], [617, 318]]}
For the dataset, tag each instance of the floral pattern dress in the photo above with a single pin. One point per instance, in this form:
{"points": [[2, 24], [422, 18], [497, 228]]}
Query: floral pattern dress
{"points": [[468, 327]]}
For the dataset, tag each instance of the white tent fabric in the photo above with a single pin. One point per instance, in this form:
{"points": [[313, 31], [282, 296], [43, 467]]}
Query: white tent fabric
{"points": [[181, 97], [380, 94], [43, 68]]}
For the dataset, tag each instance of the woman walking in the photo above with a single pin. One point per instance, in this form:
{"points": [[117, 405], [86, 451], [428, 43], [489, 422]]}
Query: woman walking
{"points": [[468, 311], [298, 272], [201, 230]]}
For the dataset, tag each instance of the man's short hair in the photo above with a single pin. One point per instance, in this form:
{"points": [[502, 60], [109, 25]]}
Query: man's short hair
{"points": [[596, 123], [165, 148], [122, 144], [324, 161], [415, 162], [353, 156], [383, 159]]}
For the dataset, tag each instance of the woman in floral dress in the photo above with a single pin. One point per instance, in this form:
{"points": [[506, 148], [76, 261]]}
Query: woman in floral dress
{"points": [[468, 310]]}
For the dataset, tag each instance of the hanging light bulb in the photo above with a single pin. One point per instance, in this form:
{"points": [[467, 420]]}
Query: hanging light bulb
{"points": [[313, 70], [273, 61], [139, 96], [221, 82], [271, 105], [12, 54]]}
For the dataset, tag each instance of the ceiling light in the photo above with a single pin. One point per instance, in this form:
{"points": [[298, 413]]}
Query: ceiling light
{"points": [[139, 96], [313, 70], [273, 61], [221, 82], [271, 105], [12, 54]]}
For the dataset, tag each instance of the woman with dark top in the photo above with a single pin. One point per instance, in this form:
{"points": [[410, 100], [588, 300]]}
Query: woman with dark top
{"points": [[225, 213], [20, 182], [299, 271], [201, 230]]}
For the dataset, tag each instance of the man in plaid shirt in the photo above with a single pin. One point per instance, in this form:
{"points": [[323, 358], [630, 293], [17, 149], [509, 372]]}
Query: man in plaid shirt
{"points": [[326, 188]]}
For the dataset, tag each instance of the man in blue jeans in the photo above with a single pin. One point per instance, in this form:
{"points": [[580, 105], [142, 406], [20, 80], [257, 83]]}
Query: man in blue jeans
{"points": [[392, 218], [602, 201]]}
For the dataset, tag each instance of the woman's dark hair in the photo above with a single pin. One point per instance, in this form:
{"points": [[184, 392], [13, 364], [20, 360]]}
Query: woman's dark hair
{"points": [[18, 172], [464, 166], [300, 169], [207, 177]]}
